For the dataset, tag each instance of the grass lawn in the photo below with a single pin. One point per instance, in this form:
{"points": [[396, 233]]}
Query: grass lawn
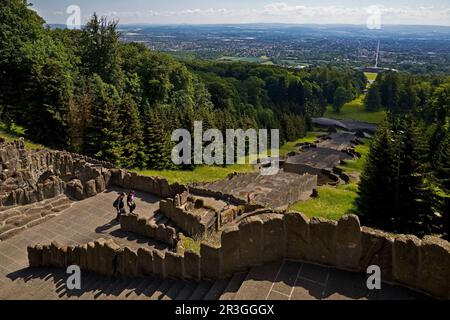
{"points": [[199, 174], [357, 165], [371, 76], [332, 202], [15, 133], [355, 110], [290, 146]]}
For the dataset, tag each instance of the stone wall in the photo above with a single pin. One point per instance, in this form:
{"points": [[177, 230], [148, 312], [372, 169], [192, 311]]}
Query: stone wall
{"points": [[29, 176], [147, 228], [155, 185], [189, 223], [404, 259]]}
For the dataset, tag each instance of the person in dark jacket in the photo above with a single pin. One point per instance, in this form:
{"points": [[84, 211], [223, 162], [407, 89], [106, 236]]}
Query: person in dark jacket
{"points": [[130, 201], [119, 204]]}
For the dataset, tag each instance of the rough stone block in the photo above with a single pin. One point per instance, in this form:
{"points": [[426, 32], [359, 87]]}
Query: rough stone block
{"points": [[128, 222], [150, 229], [377, 247], [406, 259], [322, 241], [210, 261], [90, 188], [116, 177], [100, 184], [91, 258], [297, 235], [159, 263], [174, 265], [106, 255], [57, 255], [274, 237], [230, 250], [192, 265], [434, 266], [34, 256], [250, 236], [348, 244], [127, 262], [145, 261], [75, 189]]}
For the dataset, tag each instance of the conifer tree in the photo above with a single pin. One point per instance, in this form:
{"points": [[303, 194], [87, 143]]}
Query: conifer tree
{"points": [[376, 187], [373, 99], [132, 135]]}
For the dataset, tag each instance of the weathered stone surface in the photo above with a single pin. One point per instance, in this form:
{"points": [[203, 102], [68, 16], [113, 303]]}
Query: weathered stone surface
{"points": [[127, 262], [322, 241], [210, 261], [434, 266], [117, 176], [75, 189], [348, 244], [191, 265], [82, 251], [35, 256], [90, 188], [251, 241], [107, 255], [100, 184], [406, 259], [230, 250], [145, 261], [57, 256], [297, 235], [91, 258], [274, 237], [377, 249], [159, 267], [129, 222], [174, 265]]}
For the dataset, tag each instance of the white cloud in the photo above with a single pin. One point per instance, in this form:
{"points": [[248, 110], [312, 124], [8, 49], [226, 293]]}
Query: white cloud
{"points": [[285, 13]]}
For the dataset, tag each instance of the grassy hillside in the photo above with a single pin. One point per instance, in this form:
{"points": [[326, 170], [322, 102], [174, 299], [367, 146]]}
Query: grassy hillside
{"points": [[355, 110], [15, 133]]}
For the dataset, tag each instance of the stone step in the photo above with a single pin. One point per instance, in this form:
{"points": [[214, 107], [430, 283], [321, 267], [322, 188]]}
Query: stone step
{"points": [[117, 287], [201, 290], [187, 291], [150, 289], [216, 290], [233, 286], [258, 282], [161, 290], [174, 290], [128, 288], [138, 290]]}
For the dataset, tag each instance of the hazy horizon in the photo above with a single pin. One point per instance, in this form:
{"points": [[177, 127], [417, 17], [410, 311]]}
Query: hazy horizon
{"points": [[203, 12]]}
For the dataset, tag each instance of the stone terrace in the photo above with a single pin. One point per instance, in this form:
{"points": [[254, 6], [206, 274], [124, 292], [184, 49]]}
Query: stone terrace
{"points": [[273, 191], [92, 218]]}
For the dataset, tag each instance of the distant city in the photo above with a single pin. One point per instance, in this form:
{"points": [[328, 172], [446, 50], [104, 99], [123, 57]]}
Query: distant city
{"points": [[417, 49]]}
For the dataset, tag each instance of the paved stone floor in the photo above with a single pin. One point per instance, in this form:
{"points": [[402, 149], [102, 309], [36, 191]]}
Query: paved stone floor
{"points": [[93, 218], [85, 221], [293, 280]]}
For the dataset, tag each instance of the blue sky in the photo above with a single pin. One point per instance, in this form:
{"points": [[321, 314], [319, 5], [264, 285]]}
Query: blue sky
{"points": [[419, 12]]}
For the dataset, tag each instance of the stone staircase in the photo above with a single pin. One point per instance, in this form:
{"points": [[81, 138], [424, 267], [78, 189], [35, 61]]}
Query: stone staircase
{"points": [[49, 284], [16, 219], [283, 280]]}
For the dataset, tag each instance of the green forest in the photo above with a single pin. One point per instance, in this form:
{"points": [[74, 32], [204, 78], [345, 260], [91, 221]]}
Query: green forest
{"points": [[85, 91]]}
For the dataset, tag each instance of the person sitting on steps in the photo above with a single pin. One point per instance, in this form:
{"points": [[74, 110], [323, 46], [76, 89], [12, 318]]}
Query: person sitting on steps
{"points": [[130, 201], [119, 205]]}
